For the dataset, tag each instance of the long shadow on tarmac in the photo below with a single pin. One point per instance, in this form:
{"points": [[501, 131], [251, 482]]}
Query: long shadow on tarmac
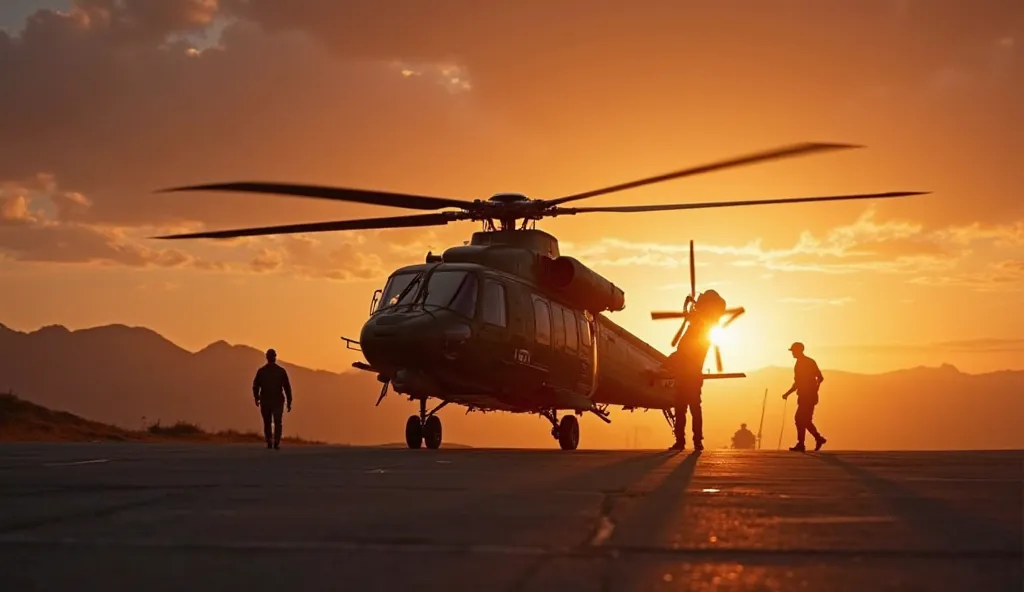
{"points": [[593, 480], [634, 470], [933, 517], [648, 522], [941, 522]]}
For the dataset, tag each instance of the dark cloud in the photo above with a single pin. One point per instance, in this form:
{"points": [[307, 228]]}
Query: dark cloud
{"points": [[116, 98], [34, 227], [119, 115], [142, 21], [620, 78]]}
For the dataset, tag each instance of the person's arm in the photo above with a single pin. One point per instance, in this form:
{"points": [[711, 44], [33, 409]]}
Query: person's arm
{"points": [[786, 394], [287, 388], [256, 387], [817, 374]]}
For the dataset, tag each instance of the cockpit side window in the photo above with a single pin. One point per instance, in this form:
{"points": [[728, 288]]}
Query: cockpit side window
{"points": [[494, 309]]}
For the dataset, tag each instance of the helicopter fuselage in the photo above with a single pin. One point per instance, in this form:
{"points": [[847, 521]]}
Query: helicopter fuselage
{"points": [[490, 340], [507, 323]]}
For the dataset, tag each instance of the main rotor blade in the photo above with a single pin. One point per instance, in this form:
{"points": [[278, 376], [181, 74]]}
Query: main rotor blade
{"points": [[693, 274], [380, 198], [728, 204], [662, 315], [679, 334], [773, 154], [438, 219], [734, 313]]}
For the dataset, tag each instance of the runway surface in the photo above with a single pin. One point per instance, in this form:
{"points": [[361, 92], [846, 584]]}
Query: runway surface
{"points": [[193, 517]]}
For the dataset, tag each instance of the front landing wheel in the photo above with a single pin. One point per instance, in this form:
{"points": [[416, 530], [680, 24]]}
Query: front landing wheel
{"points": [[413, 432], [569, 433]]}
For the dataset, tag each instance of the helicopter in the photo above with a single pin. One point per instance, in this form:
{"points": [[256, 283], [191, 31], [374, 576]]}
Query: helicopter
{"points": [[505, 322]]}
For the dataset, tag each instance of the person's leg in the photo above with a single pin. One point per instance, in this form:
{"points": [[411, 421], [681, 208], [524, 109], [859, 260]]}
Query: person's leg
{"points": [[278, 420], [265, 411], [819, 440], [800, 419], [698, 424], [680, 427]]}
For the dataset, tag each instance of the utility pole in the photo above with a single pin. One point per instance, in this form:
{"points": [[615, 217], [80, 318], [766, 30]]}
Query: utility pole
{"points": [[761, 425]]}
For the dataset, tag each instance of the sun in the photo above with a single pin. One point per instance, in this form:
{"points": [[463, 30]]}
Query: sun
{"points": [[720, 336]]}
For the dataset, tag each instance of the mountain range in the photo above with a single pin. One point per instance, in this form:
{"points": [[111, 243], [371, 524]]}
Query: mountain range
{"points": [[133, 376]]}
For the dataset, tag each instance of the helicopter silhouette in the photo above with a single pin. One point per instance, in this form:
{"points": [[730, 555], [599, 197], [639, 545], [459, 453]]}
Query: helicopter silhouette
{"points": [[506, 322]]}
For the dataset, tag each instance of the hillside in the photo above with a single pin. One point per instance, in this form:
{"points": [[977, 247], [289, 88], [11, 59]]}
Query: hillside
{"points": [[130, 377], [24, 421]]}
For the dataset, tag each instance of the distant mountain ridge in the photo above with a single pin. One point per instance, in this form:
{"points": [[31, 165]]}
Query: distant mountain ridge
{"points": [[119, 375]]}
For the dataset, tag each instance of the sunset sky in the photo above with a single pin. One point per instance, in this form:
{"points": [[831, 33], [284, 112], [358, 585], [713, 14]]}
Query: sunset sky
{"points": [[105, 101]]}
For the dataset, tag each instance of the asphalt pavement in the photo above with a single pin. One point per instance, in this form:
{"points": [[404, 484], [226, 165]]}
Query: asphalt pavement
{"points": [[195, 517]]}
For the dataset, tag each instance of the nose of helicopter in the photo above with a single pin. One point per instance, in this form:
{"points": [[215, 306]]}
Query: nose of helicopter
{"points": [[392, 340]]}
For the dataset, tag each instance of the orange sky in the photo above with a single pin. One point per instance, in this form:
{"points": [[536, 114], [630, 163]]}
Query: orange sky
{"points": [[101, 106]]}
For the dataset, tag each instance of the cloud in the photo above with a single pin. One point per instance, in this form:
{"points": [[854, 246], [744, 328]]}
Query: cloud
{"points": [[1000, 276], [867, 244], [973, 256], [970, 346], [811, 303], [308, 257], [33, 228], [39, 223], [119, 97], [128, 105]]}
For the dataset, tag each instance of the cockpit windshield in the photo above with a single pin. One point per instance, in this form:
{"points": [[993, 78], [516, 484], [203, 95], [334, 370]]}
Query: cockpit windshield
{"points": [[394, 287], [451, 289], [454, 290]]}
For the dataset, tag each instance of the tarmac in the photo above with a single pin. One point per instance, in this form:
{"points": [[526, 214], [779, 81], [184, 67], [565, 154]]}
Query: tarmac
{"points": [[196, 517]]}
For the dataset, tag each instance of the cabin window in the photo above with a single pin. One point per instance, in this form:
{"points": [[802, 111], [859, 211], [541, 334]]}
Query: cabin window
{"points": [[584, 332], [393, 288], [454, 290], [571, 337], [542, 321], [495, 311], [557, 326]]}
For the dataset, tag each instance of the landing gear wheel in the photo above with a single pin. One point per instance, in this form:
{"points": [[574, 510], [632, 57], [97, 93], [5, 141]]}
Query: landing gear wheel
{"points": [[432, 432], [414, 432], [569, 433]]}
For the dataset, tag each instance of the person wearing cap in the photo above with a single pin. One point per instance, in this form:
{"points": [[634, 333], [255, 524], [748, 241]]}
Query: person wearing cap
{"points": [[807, 379], [271, 390]]}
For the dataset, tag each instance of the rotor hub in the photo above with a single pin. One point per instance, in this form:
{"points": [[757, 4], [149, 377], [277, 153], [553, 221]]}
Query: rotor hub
{"points": [[509, 198]]}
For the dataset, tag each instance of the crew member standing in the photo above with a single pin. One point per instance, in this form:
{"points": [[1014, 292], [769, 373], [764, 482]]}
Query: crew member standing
{"points": [[271, 390], [683, 366], [807, 379]]}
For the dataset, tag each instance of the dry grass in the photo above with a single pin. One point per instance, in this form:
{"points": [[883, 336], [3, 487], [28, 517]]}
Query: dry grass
{"points": [[23, 421]]}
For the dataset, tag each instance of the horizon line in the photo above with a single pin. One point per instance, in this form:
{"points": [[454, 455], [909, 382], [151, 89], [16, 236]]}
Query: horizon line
{"points": [[347, 370]]}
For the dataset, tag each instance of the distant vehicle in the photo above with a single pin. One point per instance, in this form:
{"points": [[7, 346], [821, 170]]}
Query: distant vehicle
{"points": [[506, 322]]}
